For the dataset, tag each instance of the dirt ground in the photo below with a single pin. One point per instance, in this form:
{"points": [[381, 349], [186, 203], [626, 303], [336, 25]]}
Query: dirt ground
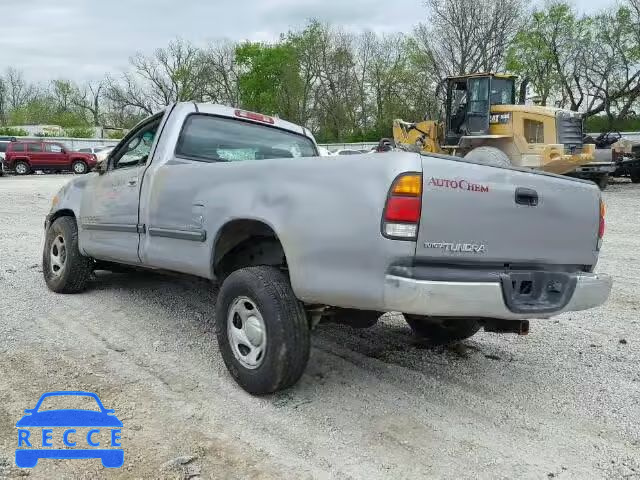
{"points": [[562, 402]]}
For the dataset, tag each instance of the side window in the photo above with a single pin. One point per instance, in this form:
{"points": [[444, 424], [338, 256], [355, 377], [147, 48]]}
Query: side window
{"points": [[52, 148], [137, 150], [533, 131], [34, 147], [18, 147], [479, 93]]}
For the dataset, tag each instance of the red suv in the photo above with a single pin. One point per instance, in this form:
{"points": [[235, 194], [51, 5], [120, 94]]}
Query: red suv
{"points": [[25, 157]]}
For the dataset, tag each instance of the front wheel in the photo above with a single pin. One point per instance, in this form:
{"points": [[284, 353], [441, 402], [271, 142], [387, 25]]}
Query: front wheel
{"points": [[22, 168], [635, 175], [64, 268], [442, 330], [79, 167], [262, 330]]}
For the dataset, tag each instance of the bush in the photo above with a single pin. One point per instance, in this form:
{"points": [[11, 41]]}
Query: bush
{"points": [[600, 124], [13, 132], [49, 134], [115, 134], [79, 132]]}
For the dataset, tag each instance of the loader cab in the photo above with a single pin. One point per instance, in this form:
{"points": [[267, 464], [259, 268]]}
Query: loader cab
{"points": [[469, 101]]}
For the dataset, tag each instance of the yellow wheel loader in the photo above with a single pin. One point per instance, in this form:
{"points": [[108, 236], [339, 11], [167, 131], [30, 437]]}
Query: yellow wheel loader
{"points": [[484, 123]]}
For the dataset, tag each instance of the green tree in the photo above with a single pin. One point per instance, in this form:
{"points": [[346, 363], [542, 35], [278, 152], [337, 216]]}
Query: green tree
{"points": [[269, 81], [544, 51]]}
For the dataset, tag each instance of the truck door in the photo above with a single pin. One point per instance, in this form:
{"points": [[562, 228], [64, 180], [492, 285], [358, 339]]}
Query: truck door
{"points": [[37, 158], [109, 227], [478, 108]]}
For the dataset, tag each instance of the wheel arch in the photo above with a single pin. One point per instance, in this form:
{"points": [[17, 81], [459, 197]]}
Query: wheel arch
{"points": [[63, 212], [237, 236]]}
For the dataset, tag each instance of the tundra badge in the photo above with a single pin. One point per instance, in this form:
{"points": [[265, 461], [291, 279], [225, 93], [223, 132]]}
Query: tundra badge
{"points": [[457, 247]]}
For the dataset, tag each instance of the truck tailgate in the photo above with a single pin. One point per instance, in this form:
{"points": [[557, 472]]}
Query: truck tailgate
{"points": [[478, 213]]}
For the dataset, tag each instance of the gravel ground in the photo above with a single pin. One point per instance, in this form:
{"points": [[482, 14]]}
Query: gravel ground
{"points": [[562, 402]]}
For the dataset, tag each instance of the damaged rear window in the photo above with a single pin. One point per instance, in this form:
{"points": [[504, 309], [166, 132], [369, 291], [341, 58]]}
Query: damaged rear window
{"points": [[218, 139]]}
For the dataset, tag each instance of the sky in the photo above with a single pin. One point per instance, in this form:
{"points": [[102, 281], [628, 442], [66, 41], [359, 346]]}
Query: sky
{"points": [[85, 39]]}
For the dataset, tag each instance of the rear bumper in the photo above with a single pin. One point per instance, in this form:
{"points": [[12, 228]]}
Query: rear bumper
{"points": [[481, 299]]}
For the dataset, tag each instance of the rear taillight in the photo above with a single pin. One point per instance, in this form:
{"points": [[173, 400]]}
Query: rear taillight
{"points": [[602, 223], [404, 205]]}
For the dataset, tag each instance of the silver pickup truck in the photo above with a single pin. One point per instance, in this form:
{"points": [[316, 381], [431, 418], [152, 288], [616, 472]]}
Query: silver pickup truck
{"points": [[296, 239]]}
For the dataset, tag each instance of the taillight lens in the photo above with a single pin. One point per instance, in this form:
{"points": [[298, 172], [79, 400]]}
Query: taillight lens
{"points": [[403, 208], [601, 228]]}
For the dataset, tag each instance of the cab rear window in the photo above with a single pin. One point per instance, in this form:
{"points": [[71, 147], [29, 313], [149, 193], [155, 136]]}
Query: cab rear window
{"points": [[218, 139]]}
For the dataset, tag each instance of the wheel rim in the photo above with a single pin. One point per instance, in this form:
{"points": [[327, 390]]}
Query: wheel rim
{"points": [[78, 167], [247, 333], [58, 256], [21, 168]]}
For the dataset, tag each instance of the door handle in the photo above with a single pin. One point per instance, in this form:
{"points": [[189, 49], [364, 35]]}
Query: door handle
{"points": [[526, 196], [132, 183]]}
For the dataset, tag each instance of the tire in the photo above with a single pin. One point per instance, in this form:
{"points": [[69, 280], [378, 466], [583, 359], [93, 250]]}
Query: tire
{"points": [[22, 168], [268, 305], [489, 156], [442, 330], [79, 167], [603, 181], [635, 175], [354, 318], [64, 268]]}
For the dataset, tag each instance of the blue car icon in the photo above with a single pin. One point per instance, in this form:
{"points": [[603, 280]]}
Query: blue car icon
{"points": [[69, 419]]}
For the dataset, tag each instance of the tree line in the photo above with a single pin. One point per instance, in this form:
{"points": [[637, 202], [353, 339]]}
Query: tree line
{"points": [[350, 86]]}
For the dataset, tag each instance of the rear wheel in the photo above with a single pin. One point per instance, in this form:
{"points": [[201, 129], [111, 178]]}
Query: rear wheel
{"points": [[64, 268], [22, 168], [488, 156], [79, 167], [442, 330], [635, 175], [262, 330]]}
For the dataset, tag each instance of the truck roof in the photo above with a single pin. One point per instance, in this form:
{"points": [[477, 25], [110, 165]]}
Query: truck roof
{"points": [[254, 117]]}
